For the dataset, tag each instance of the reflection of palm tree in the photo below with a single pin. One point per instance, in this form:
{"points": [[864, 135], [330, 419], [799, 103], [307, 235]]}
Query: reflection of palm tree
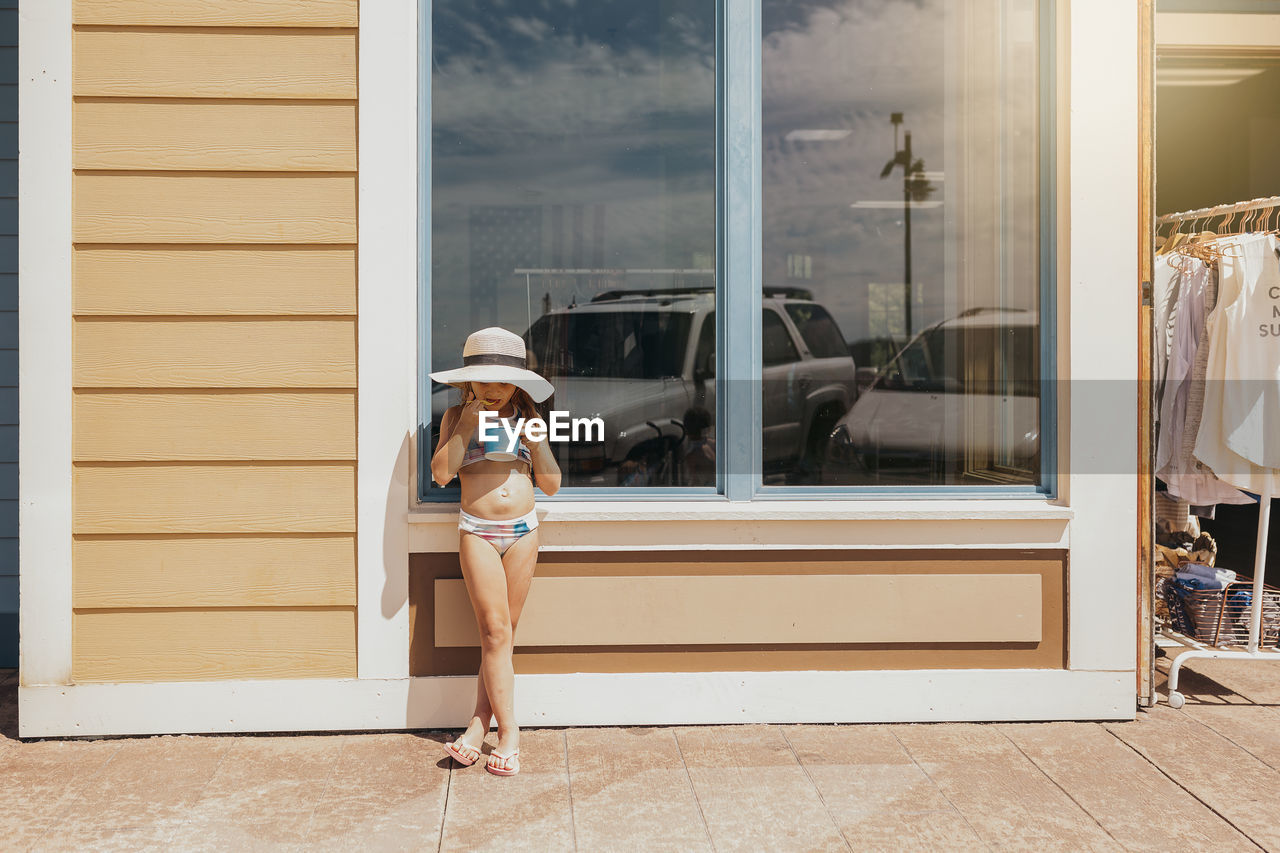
{"points": [[915, 188]]}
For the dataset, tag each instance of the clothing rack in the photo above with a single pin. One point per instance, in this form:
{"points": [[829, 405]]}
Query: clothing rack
{"points": [[1253, 650], [1271, 202]]}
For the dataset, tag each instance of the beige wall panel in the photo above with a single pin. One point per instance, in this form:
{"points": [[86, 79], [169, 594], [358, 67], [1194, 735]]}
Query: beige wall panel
{"points": [[181, 207], [214, 135], [295, 353], [248, 498], [217, 64], [186, 645], [215, 280], [208, 571], [229, 13], [122, 427], [695, 610]]}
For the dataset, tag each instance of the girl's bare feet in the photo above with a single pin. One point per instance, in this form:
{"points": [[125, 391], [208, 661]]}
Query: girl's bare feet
{"points": [[502, 758], [472, 738]]}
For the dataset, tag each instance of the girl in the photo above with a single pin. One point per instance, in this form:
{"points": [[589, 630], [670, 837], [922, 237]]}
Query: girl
{"points": [[498, 538]]}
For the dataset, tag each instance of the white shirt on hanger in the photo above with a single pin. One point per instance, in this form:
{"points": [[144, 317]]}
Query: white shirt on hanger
{"points": [[1237, 357], [1251, 398]]}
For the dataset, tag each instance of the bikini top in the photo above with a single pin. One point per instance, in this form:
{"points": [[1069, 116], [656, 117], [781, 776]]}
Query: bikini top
{"points": [[475, 453]]}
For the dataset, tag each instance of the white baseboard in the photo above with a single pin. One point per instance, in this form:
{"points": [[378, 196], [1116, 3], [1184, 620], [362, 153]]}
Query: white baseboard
{"points": [[578, 699]]}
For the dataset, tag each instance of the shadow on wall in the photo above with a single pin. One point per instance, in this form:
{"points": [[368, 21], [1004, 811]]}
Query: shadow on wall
{"points": [[395, 534]]}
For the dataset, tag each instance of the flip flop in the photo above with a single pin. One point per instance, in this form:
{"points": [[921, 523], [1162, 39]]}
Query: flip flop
{"points": [[501, 771], [463, 756]]}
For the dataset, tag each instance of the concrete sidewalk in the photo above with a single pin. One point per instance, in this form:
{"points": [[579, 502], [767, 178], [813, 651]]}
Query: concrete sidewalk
{"points": [[1207, 776]]}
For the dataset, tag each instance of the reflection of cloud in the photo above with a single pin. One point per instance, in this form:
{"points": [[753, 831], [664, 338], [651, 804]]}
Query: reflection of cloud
{"points": [[606, 103]]}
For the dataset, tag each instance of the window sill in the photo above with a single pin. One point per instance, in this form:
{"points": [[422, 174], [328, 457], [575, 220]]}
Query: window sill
{"points": [[774, 510]]}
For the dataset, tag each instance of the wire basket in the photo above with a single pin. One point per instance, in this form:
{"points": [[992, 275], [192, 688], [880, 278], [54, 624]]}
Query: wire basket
{"points": [[1221, 617]]}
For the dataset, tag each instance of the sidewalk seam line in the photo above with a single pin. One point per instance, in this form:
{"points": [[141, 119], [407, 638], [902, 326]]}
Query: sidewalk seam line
{"points": [[693, 789], [328, 782], [568, 772], [816, 789], [938, 788], [444, 809], [1189, 792], [200, 794], [1058, 785], [1229, 739]]}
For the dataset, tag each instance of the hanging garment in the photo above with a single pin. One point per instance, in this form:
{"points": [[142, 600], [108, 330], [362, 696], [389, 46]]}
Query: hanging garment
{"points": [[1182, 400], [1166, 282], [1239, 272], [1251, 400]]}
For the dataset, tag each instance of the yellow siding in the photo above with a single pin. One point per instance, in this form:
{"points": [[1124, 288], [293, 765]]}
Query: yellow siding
{"points": [[215, 571], [198, 645], [216, 135], [215, 353], [141, 426], [253, 280], [218, 13], [160, 63], [214, 343], [251, 496], [183, 207]]}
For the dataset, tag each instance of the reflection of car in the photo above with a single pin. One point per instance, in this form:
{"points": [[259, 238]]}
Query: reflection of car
{"points": [[963, 395], [872, 354], [642, 359]]}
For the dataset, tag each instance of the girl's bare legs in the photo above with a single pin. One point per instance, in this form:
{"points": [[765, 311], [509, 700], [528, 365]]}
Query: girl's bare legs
{"points": [[498, 587]]}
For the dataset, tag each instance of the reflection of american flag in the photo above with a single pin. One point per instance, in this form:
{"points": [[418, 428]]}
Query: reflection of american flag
{"points": [[569, 242], [502, 238]]}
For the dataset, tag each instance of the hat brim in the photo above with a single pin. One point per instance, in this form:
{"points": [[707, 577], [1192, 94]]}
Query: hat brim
{"points": [[533, 384]]}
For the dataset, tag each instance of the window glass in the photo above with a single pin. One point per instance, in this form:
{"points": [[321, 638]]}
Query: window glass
{"points": [[573, 201], [901, 163], [819, 331], [776, 342], [643, 343]]}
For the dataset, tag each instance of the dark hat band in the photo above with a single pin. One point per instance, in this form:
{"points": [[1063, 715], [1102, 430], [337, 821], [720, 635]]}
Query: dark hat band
{"points": [[494, 358]]}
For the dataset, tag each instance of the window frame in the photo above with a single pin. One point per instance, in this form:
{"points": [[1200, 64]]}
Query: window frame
{"points": [[739, 298]]}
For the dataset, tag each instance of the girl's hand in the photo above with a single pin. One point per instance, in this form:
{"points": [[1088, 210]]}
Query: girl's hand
{"points": [[528, 439], [469, 417]]}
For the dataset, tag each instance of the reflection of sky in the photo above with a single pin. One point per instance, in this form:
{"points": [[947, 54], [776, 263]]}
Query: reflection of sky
{"points": [[576, 133], [597, 118]]}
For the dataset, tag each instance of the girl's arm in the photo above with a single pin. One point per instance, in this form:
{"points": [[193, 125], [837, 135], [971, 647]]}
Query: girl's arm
{"points": [[456, 427], [546, 472]]}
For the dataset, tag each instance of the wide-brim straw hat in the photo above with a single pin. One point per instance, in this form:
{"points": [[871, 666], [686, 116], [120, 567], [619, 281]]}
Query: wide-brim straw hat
{"points": [[496, 355]]}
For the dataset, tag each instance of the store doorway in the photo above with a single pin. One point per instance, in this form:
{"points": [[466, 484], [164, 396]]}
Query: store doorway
{"points": [[1217, 118], [1216, 124]]}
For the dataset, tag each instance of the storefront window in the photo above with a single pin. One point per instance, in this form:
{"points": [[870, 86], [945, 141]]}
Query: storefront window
{"points": [[901, 156], [573, 201], [575, 196]]}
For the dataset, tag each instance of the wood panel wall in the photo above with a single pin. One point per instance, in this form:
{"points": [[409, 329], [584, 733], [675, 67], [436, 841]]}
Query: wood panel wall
{"points": [[214, 339], [943, 609]]}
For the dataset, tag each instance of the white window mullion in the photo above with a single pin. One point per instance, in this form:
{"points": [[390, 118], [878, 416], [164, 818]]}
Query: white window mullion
{"points": [[740, 295]]}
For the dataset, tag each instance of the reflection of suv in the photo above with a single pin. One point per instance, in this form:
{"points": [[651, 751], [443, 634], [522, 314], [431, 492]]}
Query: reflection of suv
{"points": [[642, 359], [960, 401]]}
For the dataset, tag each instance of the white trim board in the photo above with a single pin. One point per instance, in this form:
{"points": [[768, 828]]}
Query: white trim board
{"points": [[388, 305], [44, 341], [578, 700], [1100, 331]]}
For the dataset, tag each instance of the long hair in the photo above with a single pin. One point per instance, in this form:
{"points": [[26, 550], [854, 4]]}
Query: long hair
{"points": [[525, 407]]}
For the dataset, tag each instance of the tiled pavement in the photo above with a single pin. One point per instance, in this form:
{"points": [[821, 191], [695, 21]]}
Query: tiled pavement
{"points": [[1205, 777]]}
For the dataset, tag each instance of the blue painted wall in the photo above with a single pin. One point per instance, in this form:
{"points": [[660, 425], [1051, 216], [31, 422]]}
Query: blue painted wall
{"points": [[8, 333]]}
